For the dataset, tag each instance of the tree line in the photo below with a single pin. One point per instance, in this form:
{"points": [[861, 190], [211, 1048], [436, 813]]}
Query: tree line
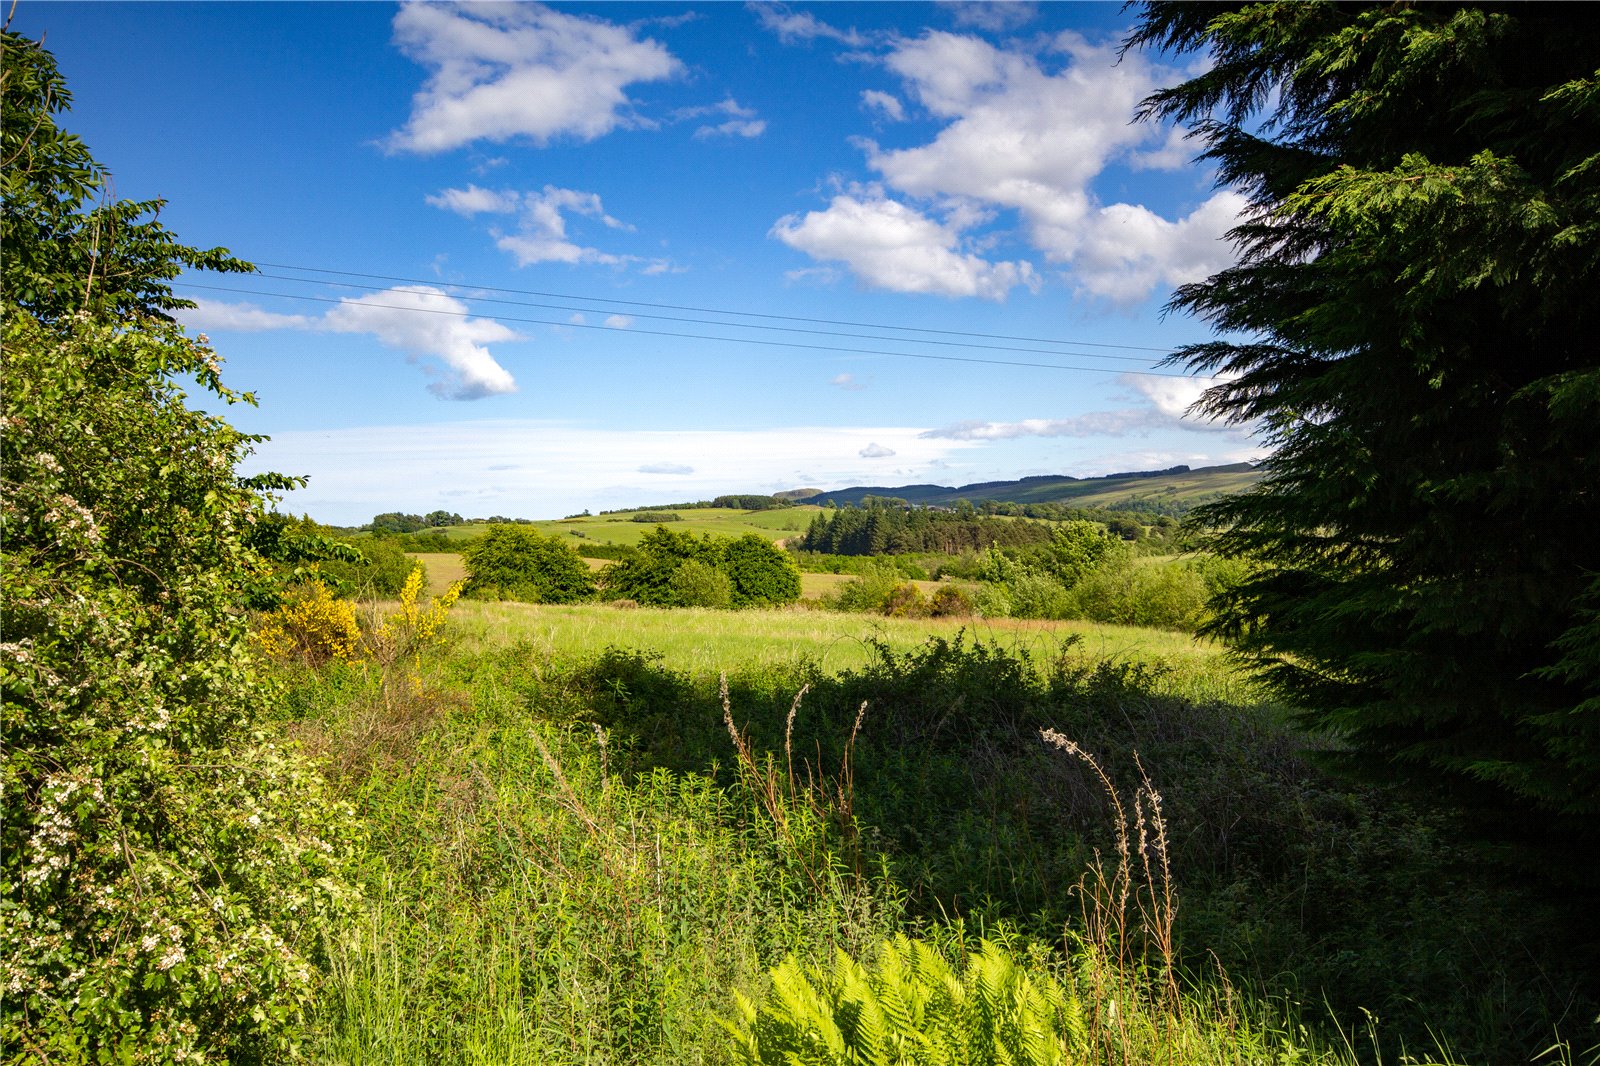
{"points": [[887, 529]]}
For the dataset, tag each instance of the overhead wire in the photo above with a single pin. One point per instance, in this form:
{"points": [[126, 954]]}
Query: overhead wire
{"points": [[712, 310], [694, 336], [734, 325]]}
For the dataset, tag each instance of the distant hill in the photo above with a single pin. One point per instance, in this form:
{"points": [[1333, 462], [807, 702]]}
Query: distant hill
{"points": [[1173, 490]]}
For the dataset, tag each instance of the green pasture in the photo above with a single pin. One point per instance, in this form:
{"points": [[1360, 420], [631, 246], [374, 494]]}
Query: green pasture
{"points": [[621, 529], [707, 642]]}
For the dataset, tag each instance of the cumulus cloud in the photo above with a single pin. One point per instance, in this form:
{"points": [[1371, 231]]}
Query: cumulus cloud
{"points": [[1175, 398], [1028, 131], [1125, 251], [1174, 153], [665, 468], [892, 246], [425, 322], [618, 321], [847, 382], [501, 72], [875, 451], [419, 320], [890, 106], [541, 234], [802, 26]]}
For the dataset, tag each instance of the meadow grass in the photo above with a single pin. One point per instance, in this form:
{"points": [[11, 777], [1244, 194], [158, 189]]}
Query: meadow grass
{"points": [[571, 860], [778, 524], [704, 642]]}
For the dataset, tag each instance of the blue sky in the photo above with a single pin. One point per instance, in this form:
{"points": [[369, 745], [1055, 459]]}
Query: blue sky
{"points": [[534, 259]]}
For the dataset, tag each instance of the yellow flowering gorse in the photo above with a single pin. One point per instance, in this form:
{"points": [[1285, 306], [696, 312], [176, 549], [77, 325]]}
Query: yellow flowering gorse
{"points": [[314, 627]]}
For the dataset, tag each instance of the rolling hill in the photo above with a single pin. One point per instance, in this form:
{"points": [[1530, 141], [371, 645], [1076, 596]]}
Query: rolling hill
{"points": [[1175, 489]]}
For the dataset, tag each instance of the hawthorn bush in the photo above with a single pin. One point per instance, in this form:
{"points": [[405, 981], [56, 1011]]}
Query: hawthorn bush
{"points": [[168, 875]]}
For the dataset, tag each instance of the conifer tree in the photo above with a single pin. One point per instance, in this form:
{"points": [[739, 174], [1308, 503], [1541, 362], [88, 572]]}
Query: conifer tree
{"points": [[1412, 325]]}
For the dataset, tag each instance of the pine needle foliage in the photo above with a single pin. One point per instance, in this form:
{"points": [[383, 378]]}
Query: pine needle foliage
{"points": [[910, 1005], [1411, 325]]}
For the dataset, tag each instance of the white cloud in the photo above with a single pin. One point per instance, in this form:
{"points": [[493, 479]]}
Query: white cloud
{"points": [[892, 246], [741, 121], [995, 16], [793, 26], [618, 321], [665, 468], [1030, 132], [1175, 398], [1125, 251], [1094, 424], [875, 451], [473, 201], [425, 322], [1174, 153], [1168, 406], [551, 469], [737, 127], [879, 101], [541, 235], [239, 318], [500, 72], [847, 382], [419, 320]]}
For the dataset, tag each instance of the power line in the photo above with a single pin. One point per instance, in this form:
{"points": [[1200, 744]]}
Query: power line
{"points": [[689, 336], [714, 310], [732, 325]]}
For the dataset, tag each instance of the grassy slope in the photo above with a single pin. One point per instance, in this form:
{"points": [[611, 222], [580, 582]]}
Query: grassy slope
{"points": [[621, 529]]}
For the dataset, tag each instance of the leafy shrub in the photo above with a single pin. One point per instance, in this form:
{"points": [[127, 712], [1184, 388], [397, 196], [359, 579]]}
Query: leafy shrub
{"points": [[905, 600], [868, 592], [758, 572], [380, 572], [167, 875], [1078, 548], [1166, 596], [312, 627], [517, 563], [949, 601], [698, 584], [763, 574], [992, 601], [1035, 594]]}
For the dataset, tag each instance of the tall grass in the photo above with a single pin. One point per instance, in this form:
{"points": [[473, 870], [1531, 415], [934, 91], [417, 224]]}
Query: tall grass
{"points": [[705, 643], [583, 851], [526, 903]]}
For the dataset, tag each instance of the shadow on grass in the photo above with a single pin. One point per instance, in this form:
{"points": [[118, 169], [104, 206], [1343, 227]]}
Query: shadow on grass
{"points": [[1298, 883]]}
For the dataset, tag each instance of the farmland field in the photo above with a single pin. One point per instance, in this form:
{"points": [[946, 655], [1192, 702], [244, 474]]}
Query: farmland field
{"points": [[621, 529]]}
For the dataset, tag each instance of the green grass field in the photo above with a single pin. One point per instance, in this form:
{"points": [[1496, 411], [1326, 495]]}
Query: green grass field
{"points": [[444, 568], [572, 861], [621, 529]]}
